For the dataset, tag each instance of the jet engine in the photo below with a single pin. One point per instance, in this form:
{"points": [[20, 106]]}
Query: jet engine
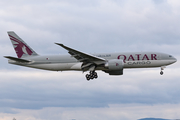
{"points": [[114, 67]]}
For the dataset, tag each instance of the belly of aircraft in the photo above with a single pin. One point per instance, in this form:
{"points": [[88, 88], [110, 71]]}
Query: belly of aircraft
{"points": [[58, 66]]}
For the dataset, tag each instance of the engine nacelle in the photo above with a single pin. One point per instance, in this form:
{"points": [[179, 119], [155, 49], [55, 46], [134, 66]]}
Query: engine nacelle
{"points": [[115, 64], [115, 67]]}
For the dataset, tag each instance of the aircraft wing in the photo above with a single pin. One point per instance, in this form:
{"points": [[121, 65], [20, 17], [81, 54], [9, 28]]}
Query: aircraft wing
{"points": [[81, 56], [88, 60]]}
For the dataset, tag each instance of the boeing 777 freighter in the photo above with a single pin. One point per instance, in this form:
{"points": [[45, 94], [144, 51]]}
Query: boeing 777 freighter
{"points": [[111, 63]]}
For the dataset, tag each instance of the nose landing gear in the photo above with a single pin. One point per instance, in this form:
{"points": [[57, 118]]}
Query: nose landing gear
{"points": [[162, 68], [92, 75]]}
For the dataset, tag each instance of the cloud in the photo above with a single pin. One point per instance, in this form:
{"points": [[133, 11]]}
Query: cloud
{"points": [[35, 89], [114, 111], [91, 26], [99, 23]]}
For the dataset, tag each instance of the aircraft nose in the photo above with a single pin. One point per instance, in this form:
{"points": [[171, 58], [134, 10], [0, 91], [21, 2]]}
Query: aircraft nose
{"points": [[175, 60]]}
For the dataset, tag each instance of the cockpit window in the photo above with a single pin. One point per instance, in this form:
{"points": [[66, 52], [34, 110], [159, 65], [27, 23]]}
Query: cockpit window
{"points": [[170, 55]]}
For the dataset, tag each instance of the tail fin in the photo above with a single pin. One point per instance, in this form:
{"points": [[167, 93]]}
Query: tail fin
{"points": [[21, 48]]}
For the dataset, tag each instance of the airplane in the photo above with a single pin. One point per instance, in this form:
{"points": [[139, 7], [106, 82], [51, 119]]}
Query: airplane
{"points": [[111, 63]]}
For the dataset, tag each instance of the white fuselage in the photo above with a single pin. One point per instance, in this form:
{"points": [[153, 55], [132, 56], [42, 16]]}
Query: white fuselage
{"points": [[68, 62], [111, 63]]}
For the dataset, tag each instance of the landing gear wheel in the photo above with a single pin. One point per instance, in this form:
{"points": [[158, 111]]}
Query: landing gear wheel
{"points": [[95, 76], [87, 77], [162, 68], [91, 72], [95, 73], [91, 75], [161, 72]]}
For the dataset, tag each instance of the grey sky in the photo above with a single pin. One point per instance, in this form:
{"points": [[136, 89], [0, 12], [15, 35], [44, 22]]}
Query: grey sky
{"points": [[91, 26]]}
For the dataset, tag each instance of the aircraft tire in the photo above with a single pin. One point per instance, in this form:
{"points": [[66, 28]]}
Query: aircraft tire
{"points": [[161, 72], [95, 76], [95, 73], [92, 77], [87, 77]]}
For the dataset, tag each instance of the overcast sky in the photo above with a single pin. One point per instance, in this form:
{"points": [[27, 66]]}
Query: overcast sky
{"points": [[91, 26]]}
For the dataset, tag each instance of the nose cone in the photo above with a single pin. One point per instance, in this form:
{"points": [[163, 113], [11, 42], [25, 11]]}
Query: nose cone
{"points": [[174, 60]]}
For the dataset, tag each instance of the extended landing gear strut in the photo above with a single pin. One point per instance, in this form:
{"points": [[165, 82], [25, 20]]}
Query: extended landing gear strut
{"points": [[162, 68], [92, 75]]}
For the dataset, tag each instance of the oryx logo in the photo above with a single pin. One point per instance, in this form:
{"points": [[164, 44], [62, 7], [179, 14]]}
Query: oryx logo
{"points": [[20, 47]]}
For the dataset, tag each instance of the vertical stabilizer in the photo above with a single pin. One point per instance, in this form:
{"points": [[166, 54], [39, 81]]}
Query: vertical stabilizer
{"points": [[21, 48]]}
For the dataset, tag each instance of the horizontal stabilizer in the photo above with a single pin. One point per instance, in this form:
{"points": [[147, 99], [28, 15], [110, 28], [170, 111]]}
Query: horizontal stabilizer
{"points": [[17, 59]]}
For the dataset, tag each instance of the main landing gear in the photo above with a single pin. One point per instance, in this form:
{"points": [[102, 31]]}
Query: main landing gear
{"points": [[92, 75]]}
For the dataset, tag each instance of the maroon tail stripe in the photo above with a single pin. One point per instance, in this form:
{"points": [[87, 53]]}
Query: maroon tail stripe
{"points": [[15, 40], [11, 37]]}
